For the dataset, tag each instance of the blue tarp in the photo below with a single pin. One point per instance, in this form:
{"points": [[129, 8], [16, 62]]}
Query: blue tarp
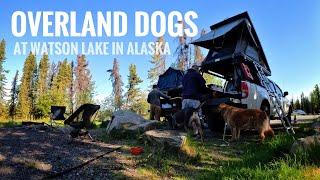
{"points": [[171, 79]]}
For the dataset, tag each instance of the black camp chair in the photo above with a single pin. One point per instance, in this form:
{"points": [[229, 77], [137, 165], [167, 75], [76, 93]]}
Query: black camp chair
{"points": [[57, 113], [80, 120], [86, 111]]}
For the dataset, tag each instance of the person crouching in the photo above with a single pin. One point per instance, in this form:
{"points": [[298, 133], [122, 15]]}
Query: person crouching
{"points": [[154, 101]]}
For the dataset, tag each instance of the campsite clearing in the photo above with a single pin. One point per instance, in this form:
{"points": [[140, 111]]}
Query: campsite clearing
{"points": [[39, 151]]}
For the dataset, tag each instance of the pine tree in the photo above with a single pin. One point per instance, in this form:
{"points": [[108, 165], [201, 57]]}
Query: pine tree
{"points": [[42, 84], [198, 56], [33, 92], [14, 97], [60, 85], [26, 89], [52, 74], [315, 99], [43, 96], [2, 70], [133, 93], [159, 63], [297, 104], [83, 82], [292, 103], [183, 51], [71, 88], [117, 84], [305, 103]]}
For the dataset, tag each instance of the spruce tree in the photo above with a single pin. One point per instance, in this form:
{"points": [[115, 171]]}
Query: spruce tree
{"points": [[42, 84], [60, 85], [2, 78], [26, 89], [133, 93], [13, 97], [297, 104], [315, 99], [33, 92], [117, 84], [71, 88], [43, 96], [2, 70], [159, 63], [183, 61], [52, 74], [198, 56], [83, 83]]}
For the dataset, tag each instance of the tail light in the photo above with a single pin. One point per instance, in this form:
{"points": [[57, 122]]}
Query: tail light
{"points": [[244, 89]]}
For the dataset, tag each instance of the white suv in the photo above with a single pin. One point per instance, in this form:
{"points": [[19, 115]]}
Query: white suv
{"points": [[254, 96]]}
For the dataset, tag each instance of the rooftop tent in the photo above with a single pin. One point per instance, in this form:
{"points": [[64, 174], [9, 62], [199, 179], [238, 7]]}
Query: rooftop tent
{"points": [[170, 79], [230, 38]]}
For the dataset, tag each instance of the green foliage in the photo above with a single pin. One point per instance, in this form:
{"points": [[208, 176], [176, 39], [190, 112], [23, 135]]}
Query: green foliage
{"points": [[26, 89], [135, 100], [60, 85], [43, 105], [3, 111], [210, 79]]}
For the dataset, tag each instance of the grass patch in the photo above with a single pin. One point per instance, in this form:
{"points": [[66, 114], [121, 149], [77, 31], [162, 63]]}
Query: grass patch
{"points": [[242, 160], [10, 123]]}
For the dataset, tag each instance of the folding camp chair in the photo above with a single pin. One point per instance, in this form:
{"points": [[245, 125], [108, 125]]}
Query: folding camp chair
{"points": [[86, 111], [57, 113]]}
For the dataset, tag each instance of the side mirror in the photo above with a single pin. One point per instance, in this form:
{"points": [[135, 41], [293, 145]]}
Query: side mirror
{"points": [[285, 94]]}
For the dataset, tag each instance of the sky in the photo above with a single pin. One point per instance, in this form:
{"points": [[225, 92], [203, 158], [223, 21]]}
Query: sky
{"points": [[289, 32]]}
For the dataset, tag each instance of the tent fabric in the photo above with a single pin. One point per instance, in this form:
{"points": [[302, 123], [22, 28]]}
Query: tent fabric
{"points": [[206, 40], [232, 29], [171, 79]]}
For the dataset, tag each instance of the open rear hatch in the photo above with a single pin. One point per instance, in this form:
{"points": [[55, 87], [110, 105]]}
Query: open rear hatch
{"points": [[231, 41]]}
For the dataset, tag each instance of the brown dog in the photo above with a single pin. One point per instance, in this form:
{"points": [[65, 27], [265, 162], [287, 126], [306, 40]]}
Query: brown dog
{"points": [[239, 119]]}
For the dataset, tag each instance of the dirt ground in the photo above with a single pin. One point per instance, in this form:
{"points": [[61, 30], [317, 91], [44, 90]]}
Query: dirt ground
{"points": [[36, 152]]}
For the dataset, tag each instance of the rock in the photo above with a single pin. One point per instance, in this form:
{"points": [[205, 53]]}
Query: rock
{"points": [[144, 126], [130, 121], [305, 143], [172, 138]]}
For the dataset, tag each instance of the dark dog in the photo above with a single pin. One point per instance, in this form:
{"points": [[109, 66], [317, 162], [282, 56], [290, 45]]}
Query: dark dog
{"points": [[239, 119], [189, 118]]}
